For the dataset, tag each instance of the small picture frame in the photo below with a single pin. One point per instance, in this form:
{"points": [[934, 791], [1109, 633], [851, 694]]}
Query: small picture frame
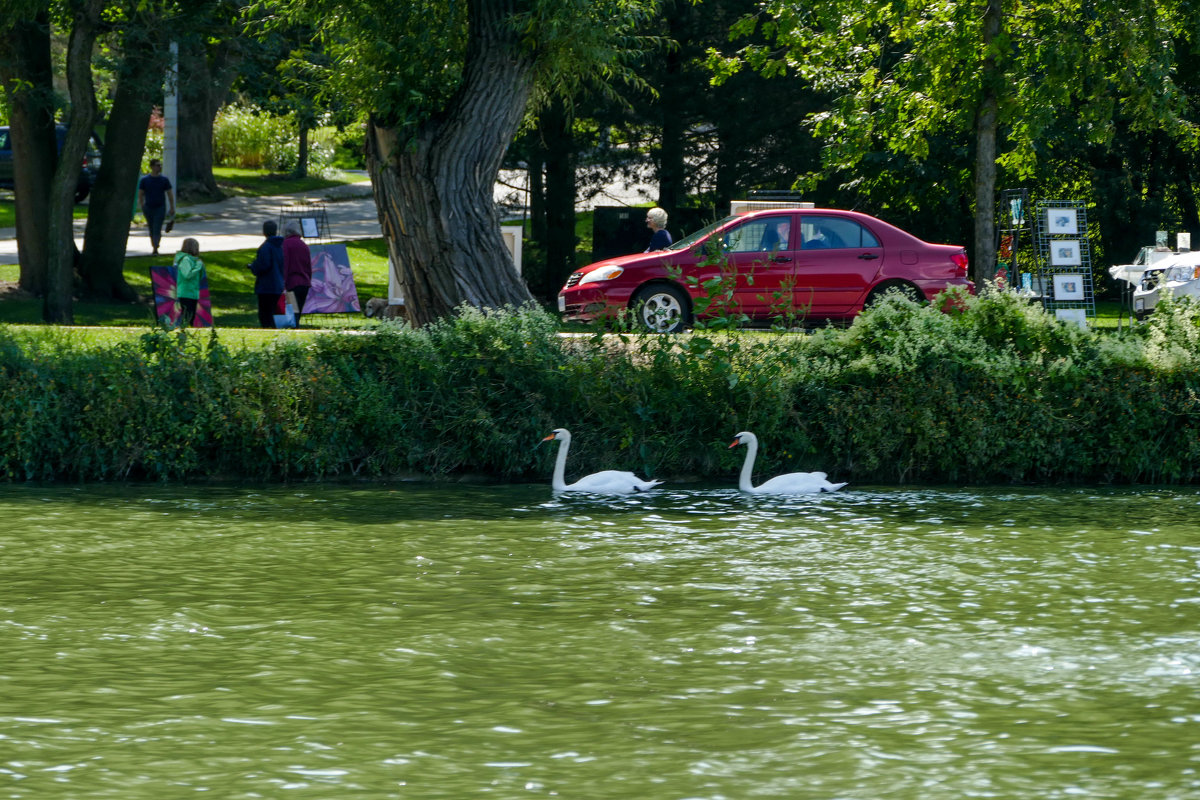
{"points": [[308, 227], [1061, 221], [1068, 287], [1076, 315], [1065, 253]]}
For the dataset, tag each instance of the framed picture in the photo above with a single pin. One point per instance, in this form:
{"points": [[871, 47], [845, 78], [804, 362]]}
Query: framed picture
{"points": [[1065, 253], [1062, 220], [1068, 287], [308, 227], [1076, 315]]}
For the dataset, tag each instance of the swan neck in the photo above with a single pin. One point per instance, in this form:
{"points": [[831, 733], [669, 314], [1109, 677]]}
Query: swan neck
{"points": [[558, 482], [748, 466]]}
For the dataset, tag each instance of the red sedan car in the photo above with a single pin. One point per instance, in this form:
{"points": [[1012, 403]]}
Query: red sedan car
{"points": [[810, 263]]}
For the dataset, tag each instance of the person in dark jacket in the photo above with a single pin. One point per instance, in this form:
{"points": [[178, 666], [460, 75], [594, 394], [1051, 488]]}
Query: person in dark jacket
{"points": [[656, 221], [267, 267]]}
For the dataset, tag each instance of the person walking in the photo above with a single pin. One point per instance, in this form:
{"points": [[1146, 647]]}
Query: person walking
{"points": [[189, 271], [297, 265], [157, 200], [267, 267]]}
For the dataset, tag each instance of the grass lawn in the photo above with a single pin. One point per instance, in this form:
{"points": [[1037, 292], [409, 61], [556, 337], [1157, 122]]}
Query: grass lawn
{"points": [[231, 286], [260, 183]]}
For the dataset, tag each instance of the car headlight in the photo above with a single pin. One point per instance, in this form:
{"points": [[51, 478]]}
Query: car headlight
{"points": [[605, 273]]}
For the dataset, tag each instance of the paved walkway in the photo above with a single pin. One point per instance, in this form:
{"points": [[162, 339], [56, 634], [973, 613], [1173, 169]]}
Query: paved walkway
{"points": [[236, 223]]}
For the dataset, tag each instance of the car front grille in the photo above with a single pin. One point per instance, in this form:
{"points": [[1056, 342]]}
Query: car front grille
{"points": [[574, 279]]}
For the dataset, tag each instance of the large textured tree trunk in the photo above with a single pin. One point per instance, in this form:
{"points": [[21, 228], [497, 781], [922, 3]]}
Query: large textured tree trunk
{"points": [[107, 237], [57, 302], [986, 122], [434, 191], [28, 78]]}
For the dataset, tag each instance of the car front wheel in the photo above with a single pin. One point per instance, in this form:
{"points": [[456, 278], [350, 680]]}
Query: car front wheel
{"points": [[661, 308]]}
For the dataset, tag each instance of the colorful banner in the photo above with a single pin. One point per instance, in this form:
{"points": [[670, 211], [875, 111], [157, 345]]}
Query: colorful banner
{"points": [[166, 304]]}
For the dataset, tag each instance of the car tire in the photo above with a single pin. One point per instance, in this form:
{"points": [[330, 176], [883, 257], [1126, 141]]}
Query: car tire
{"points": [[82, 191], [661, 308], [907, 289]]}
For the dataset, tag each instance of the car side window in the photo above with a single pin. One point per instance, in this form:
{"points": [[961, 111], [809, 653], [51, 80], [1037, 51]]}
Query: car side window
{"points": [[762, 235], [3, 140], [826, 233]]}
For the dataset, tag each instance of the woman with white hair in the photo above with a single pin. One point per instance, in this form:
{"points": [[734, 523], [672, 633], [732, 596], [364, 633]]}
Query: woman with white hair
{"points": [[297, 265], [656, 221]]}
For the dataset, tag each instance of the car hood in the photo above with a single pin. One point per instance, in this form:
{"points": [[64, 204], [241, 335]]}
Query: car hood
{"points": [[655, 259]]}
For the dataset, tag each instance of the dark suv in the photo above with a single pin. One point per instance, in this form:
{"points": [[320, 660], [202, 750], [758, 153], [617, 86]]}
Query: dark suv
{"points": [[91, 161]]}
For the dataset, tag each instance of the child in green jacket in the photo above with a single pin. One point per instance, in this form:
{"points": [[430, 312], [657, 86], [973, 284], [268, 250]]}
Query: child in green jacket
{"points": [[189, 272]]}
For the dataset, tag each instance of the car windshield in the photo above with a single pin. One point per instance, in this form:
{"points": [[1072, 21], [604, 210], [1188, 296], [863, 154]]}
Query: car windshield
{"points": [[688, 241]]}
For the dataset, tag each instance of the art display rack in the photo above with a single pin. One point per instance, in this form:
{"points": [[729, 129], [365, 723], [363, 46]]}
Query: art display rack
{"points": [[1014, 243], [1064, 278], [314, 222]]}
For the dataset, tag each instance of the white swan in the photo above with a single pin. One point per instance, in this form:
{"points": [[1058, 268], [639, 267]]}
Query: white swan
{"points": [[791, 483], [610, 481]]}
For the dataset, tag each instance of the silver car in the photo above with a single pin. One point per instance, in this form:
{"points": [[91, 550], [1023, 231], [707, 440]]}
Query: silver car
{"points": [[1179, 274]]}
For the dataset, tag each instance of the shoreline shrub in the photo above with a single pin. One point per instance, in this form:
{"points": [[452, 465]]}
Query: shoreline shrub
{"points": [[995, 392]]}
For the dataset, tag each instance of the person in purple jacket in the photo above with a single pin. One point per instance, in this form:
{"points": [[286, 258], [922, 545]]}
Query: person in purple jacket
{"points": [[297, 265]]}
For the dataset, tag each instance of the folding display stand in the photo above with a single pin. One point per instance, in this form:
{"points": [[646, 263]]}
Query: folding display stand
{"points": [[333, 291], [1065, 261], [1012, 234], [314, 222]]}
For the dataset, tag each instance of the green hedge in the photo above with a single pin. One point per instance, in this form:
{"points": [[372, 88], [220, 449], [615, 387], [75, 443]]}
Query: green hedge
{"points": [[994, 391]]}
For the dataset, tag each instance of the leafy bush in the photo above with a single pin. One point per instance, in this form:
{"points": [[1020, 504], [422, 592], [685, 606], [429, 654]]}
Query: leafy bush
{"points": [[996, 391], [248, 137]]}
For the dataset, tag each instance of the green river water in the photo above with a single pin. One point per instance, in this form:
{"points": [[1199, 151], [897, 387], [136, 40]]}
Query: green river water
{"points": [[451, 641]]}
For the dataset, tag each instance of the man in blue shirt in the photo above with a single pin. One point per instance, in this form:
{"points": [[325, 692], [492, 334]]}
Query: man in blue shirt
{"points": [[154, 192]]}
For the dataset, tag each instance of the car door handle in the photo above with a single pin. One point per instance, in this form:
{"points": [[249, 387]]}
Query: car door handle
{"points": [[782, 259], [868, 256]]}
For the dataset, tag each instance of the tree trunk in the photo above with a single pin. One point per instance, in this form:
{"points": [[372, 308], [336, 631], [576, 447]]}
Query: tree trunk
{"points": [[28, 78], [672, 184], [555, 128], [102, 265], [302, 159], [434, 192], [57, 302], [986, 121], [204, 81]]}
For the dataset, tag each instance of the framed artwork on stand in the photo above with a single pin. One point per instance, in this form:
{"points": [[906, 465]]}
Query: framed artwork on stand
{"points": [[1068, 287], [1065, 253], [1061, 221]]}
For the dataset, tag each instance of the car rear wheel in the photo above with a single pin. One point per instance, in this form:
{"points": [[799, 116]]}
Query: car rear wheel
{"points": [[661, 308], [906, 290]]}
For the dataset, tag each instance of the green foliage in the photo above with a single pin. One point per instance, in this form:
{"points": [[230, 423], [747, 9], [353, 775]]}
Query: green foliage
{"points": [[250, 138], [994, 392]]}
